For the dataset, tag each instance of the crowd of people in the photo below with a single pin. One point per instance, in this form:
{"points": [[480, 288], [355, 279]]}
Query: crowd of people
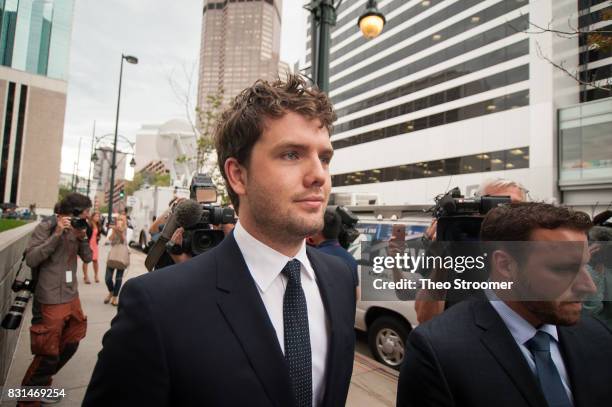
{"points": [[267, 316]]}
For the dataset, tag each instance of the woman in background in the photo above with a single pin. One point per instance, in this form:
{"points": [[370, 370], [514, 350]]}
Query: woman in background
{"points": [[94, 229], [117, 235]]}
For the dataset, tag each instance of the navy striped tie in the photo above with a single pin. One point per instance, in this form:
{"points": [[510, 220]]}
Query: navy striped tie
{"points": [[547, 373], [297, 336]]}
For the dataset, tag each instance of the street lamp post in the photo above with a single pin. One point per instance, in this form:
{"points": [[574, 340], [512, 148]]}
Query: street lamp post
{"points": [[93, 139], [324, 16], [132, 60], [94, 156]]}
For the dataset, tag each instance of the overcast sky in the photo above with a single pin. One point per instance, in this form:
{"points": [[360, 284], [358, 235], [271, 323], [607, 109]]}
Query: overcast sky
{"points": [[165, 36]]}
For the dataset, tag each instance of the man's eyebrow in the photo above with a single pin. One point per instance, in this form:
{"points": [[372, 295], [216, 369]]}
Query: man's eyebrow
{"points": [[298, 146]]}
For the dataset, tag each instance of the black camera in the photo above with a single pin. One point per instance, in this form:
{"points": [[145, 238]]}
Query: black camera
{"points": [[348, 219], [76, 221], [459, 218], [197, 216], [200, 237], [24, 290]]}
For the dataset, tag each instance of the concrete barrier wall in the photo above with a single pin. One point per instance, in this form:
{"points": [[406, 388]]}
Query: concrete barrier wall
{"points": [[12, 244]]}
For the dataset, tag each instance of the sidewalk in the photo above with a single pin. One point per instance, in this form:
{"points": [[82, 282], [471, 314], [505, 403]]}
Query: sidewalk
{"points": [[372, 384]]}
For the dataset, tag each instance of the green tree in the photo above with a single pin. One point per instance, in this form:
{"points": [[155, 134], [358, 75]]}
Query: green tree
{"points": [[182, 81], [63, 192], [146, 177]]}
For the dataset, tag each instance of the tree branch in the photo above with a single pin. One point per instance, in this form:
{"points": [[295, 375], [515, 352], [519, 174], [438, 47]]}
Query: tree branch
{"points": [[574, 75]]}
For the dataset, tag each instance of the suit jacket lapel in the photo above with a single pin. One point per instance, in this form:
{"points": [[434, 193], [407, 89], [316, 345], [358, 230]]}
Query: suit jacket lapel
{"points": [[326, 287], [576, 367], [499, 341], [242, 307]]}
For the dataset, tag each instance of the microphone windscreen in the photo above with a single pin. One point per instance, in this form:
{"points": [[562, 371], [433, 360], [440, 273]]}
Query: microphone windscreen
{"points": [[188, 213]]}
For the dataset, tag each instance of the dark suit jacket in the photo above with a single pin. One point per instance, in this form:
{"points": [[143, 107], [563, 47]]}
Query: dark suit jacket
{"points": [[467, 357], [198, 333]]}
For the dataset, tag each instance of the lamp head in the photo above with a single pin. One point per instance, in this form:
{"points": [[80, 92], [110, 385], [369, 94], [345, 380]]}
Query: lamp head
{"points": [[131, 59], [372, 21]]}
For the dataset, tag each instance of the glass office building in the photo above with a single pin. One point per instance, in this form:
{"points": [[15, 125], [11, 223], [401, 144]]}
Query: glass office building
{"points": [[35, 36], [34, 54]]}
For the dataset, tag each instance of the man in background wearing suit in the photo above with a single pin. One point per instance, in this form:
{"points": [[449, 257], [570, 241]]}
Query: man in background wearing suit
{"points": [[260, 320], [526, 346]]}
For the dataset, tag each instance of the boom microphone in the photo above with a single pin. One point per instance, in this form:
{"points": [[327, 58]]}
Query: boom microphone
{"points": [[188, 213], [158, 249]]}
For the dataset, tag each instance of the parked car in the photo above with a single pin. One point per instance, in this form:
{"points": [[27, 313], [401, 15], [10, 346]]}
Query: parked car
{"points": [[387, 323]]}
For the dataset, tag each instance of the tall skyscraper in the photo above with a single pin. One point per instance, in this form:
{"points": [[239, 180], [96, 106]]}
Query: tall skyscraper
{"points": [[454, 92], [34, 50], [240, 44]]}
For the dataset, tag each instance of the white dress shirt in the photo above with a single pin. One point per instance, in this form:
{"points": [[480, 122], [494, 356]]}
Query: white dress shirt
{"points": [[522, 331], [265, 265]]}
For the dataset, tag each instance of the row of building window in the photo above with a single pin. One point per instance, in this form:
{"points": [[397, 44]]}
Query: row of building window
{"points": [[593, 51], [221, 4], [491, 82], [476, 19], [585, 4], [594, 17], [496, 57], [507, 102], [470, 44], [484, 162], [593, 55], [404, 16], [352, 18]]}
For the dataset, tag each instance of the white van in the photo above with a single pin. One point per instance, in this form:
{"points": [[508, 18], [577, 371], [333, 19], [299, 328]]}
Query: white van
{"points": [[387, 323]]}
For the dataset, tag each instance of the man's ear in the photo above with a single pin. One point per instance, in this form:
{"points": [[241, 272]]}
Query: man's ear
{"points": [[504, 265], [236, 175]]}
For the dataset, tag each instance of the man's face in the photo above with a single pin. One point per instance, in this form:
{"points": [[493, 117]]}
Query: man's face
{"points": [[84, 214], [515, 193], [287, 179], [554, 276]]}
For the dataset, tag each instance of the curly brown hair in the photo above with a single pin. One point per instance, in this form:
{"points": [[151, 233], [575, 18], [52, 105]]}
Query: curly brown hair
{"points": [[242, 124]]}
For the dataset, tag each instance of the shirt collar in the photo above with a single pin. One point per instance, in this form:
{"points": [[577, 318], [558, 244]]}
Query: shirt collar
{"points": [[521, 330], [265, 263]]}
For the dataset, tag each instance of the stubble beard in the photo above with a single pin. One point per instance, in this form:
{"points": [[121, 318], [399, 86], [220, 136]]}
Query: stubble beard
{"points": [[547, 311], [282, 225]]}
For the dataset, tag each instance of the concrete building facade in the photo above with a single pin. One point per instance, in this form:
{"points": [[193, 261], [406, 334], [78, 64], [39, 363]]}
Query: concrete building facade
{"points": [[240, 44], [34, 51], [452, 93], [171, 144]]}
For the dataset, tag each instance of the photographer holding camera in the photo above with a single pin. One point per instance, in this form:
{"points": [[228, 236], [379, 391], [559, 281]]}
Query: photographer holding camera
{"points": [[52, 254], [429, 304]]}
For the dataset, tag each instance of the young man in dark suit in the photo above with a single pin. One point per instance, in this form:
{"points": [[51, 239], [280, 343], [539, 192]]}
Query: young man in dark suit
{"points": [[524, 346], [260, 320]]}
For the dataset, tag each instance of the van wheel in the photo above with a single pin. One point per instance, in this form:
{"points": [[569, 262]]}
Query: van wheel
{"points": [[142, 242], [387, 338]]}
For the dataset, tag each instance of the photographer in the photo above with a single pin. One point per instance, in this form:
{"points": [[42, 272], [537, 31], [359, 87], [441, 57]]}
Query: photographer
{"points": [[327, 242], [428, 304], [190, 226], [52, 254]]}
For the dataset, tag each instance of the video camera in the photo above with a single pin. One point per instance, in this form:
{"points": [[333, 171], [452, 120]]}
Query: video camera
{"points": [[348, 219], [459, 218], [197, 215]]}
